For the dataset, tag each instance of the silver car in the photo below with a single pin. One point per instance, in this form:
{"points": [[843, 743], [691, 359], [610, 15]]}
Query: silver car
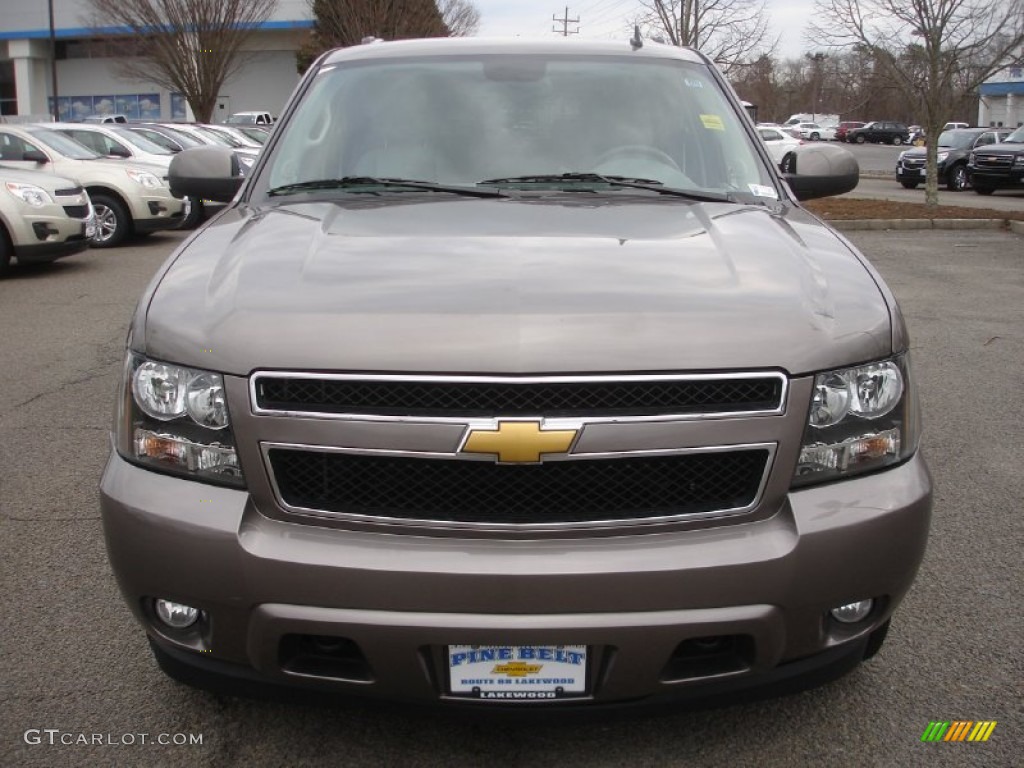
{"points": [[515, 374]]}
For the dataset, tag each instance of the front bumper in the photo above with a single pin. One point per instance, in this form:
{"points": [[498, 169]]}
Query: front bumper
{"points": [[155, 210], [401, 598], [48, 233], [1011, 177]]}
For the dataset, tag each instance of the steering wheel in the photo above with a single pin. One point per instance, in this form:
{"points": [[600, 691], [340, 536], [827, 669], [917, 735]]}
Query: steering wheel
{"points": [[635, 150]]}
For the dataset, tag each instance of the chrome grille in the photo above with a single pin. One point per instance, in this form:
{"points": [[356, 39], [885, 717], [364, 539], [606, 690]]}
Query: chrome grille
{"points": [[993, 161]]}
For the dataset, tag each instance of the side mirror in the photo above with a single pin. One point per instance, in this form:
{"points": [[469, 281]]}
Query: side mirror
{"points": [[116, 151], [820, 170], [34, 156], [207, 173]]}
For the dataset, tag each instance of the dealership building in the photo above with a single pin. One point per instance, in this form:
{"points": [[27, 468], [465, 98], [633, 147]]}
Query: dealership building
{"points": [[1001, 99], [89, 80]]}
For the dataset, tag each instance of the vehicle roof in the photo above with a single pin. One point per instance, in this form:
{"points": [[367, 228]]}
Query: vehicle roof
{"points": [[458, 46]]}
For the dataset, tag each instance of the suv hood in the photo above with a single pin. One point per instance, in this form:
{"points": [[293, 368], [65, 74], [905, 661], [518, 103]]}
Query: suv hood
{"points": [[554, 284]]}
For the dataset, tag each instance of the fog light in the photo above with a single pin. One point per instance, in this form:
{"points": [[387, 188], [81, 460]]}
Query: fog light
{"points": [[176, 615], [851, 613]]}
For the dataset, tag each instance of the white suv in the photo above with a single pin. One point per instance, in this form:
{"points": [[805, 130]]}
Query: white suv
{"points": [[42, 217], [128, 197]]}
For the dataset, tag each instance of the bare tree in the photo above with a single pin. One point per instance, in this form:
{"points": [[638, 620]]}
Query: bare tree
{"points": [[933, 51], [460, 16], [731, 32], [190, 46], [338, 23]]}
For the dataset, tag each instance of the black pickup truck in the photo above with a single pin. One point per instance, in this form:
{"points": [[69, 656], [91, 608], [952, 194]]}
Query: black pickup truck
{"points": [[1000, 166]]}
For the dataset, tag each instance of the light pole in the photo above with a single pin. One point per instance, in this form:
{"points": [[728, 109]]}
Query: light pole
{"points": [[53, 64]]}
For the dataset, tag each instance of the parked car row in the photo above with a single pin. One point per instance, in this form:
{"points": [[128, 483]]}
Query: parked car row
{"points": [[128, 197]]}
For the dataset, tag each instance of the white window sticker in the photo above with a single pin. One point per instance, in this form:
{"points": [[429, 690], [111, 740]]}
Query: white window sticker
{"points": [[759, 190]]}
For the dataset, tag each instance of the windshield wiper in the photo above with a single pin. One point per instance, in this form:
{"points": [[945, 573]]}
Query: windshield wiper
{"points": [[347, 182], [616, 181]]}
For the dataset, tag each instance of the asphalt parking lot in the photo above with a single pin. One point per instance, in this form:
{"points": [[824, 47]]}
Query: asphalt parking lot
{"points": [[75, 665]]}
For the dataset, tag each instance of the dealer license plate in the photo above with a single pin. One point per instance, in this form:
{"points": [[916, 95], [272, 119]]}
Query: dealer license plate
{"points": [[517, 672]]}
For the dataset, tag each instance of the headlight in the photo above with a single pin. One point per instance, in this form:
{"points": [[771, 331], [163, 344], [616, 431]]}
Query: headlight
{"points": [[175, 419], [1018, 160], [860, 419], [971, 158], [941, 157], [145, 178], [33, 195]]}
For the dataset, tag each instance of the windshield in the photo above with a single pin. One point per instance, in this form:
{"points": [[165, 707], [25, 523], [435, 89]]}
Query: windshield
{"points": [[141, 142], [65, 145], [496, 119], [1017, 136], [957, 139], [217, 136]]}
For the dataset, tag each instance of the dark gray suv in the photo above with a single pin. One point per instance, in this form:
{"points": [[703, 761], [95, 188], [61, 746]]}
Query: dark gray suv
{"points": [[515, 374], [880, 132]]}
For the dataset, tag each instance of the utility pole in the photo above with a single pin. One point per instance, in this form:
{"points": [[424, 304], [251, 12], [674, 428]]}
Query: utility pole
{"points": [[565, 21]]}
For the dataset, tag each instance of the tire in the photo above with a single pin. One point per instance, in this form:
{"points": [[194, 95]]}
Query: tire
{"points": [[113, 224], [909, 184], [6, 249], [815, 136], [876, 639], [956, 179], [896, 141], [860, 139], [195, 214], [983, 190], [786, 165]]}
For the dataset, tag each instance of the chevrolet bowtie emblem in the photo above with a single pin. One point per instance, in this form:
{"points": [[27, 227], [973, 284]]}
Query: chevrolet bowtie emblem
{"points": [[519, 442]]}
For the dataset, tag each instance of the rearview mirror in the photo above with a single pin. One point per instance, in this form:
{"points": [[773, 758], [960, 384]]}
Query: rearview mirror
{"points": [[820, 170], [207, 173]]}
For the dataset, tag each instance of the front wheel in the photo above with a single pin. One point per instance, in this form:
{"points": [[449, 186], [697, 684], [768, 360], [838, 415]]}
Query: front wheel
{"points": [[860, 139], [909, 184], [113, 224], [896, 141], [957, 181]]}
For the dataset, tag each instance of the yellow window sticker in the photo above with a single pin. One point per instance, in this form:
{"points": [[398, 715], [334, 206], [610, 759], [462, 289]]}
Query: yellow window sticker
{"points": [[712, 122]]}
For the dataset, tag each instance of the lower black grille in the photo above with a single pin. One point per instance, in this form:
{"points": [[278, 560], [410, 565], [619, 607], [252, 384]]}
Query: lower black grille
{"points": [[629, 488], [76, 211]]}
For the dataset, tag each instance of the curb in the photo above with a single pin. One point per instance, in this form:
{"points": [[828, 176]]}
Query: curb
{"points": [[1017, 227]]}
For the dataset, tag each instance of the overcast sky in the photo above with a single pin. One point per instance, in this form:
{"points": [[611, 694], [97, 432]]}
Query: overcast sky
{"points": [[613, 18]]}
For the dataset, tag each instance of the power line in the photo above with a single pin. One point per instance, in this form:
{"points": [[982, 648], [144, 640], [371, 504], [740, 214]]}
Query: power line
{"points": [[565, 21]]}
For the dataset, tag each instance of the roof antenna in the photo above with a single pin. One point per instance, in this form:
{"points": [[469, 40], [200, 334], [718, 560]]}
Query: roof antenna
{"points": [[636, 42]]}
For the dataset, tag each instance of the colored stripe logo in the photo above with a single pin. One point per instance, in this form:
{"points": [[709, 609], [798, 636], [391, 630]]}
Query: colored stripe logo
{"points": [[958, 730]]}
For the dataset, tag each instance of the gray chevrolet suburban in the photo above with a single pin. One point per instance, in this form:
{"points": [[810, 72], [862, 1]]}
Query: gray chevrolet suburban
{"points": [[515, 374]]}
